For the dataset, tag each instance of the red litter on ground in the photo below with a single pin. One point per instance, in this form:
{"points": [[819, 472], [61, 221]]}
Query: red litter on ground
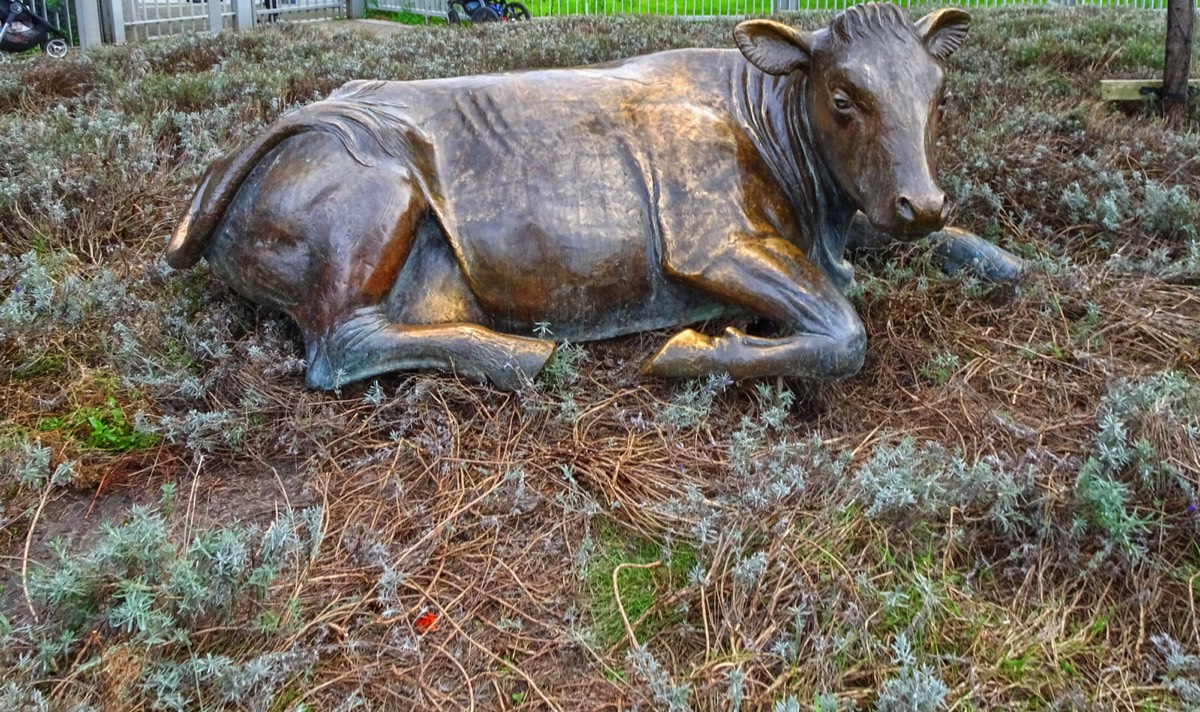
{"points": [[426, 622]]}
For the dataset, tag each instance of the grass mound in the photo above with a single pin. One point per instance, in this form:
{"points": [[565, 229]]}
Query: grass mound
{"points": [[998, 512]]}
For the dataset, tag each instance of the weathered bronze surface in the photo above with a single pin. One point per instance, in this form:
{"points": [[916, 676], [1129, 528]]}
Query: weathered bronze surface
{"points": [[436, 224]]}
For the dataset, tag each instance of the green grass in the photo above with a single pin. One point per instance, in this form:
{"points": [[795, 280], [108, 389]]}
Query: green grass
{"points": [[404, 17], [100, 427], [641, 588]]}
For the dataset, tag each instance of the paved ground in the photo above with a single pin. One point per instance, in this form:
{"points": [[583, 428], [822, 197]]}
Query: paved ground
{"points": [[381, 28]]}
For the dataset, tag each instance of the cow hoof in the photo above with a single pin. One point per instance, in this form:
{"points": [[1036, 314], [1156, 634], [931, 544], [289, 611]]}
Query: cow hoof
{"points": [[686, 355], [690, 354], [523, 364]]}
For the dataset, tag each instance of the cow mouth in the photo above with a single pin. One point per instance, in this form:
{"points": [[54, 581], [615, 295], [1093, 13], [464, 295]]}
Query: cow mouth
{"points": [[907, 222], [905, 231], [911, 233]]}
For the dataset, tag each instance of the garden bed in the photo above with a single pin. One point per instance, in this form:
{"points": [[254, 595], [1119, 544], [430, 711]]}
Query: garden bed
{"points": [[998, 512]]}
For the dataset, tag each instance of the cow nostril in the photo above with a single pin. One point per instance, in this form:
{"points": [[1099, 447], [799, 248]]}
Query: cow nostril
{"points": [[925, 209]]}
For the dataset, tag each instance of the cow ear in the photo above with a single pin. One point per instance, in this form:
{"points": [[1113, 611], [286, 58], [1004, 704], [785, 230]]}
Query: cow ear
{"points": [[772, 46], [943, 31]]}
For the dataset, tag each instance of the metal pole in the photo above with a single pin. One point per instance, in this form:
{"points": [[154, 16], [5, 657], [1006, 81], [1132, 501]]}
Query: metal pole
{"points": [[116, 15], [214, 16], [88, 14], [243, 14]]}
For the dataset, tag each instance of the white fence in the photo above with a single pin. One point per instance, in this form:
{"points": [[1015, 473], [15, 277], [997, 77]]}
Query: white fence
{"points": [[126, 20], [147, 19], [704, 9], [118, 21]]}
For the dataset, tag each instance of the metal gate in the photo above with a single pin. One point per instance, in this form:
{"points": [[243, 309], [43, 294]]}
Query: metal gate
{"points": [[128, 20]]}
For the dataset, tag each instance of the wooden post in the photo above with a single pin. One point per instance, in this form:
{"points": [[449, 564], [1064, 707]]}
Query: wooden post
{"points": [[1181, 15]]}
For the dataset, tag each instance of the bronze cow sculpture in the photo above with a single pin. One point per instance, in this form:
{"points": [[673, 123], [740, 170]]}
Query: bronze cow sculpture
{"points": [[654, 192]]}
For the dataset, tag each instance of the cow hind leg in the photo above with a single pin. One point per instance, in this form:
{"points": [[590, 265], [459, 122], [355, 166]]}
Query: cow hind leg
{"points": [[326, 239], [367, 344]]}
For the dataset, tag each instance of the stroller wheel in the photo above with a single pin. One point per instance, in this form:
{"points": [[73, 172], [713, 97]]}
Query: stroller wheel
{"points": [[452, 18], [516, 11], [56, 47]]}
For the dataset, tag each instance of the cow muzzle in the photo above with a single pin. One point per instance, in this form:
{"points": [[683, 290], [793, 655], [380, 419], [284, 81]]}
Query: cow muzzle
{"points": [[919, 215]]}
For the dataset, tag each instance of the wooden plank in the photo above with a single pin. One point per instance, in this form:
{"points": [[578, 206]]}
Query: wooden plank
{"points": [[1131, 89]]}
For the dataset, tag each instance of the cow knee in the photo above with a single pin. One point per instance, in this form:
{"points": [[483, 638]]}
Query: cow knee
{"points": [[847, 350]]}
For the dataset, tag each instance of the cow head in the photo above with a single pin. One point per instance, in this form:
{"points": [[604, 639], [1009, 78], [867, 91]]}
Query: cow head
{"points": [[873, 95]]}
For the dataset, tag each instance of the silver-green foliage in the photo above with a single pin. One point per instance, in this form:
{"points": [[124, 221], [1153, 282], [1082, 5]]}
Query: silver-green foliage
{"points": [[921, 479], [1114, 197], [1181, 676], [1146, 429], [771, 463], [139, 581], [915, 687], [50, 293], [691, 403], [668, 694]]}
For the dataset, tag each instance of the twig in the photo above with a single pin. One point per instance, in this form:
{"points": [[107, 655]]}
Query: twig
{"points": [[74, 669], [1192, 606], [191, 507], [496, 658], [28, 543], [461, 669], [617, 595]]}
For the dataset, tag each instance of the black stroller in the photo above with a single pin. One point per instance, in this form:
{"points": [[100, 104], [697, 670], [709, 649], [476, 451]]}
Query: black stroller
{"points": [[476, 11], [23, 29]]}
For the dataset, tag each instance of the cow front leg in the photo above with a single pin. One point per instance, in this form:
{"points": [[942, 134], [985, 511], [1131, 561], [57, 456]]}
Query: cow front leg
{"points": [[962, 252], [956, 251], [366, 345], [770, 278]]}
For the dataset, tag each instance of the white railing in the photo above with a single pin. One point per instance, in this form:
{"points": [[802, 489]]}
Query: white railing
{"points": [[148, 19], [706, 9], [119, 21], [124, 20], [299, 10]]}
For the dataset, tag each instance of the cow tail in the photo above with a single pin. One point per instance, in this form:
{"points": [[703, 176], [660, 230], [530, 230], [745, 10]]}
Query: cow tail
{"points": [[218, 189]]}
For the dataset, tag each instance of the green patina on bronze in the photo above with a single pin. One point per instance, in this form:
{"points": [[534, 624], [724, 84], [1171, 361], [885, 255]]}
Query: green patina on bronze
{"points": [[436, 224]]}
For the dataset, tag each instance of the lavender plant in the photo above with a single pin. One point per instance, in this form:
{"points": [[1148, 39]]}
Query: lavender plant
{"points": [[914, 687], [921, 479]]}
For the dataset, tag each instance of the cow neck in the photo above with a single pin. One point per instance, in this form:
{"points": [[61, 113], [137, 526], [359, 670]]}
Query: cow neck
{"points": [[775, 116]]}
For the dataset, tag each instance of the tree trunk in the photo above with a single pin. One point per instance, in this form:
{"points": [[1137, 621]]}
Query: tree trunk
{"points": [[1181, 15]]}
